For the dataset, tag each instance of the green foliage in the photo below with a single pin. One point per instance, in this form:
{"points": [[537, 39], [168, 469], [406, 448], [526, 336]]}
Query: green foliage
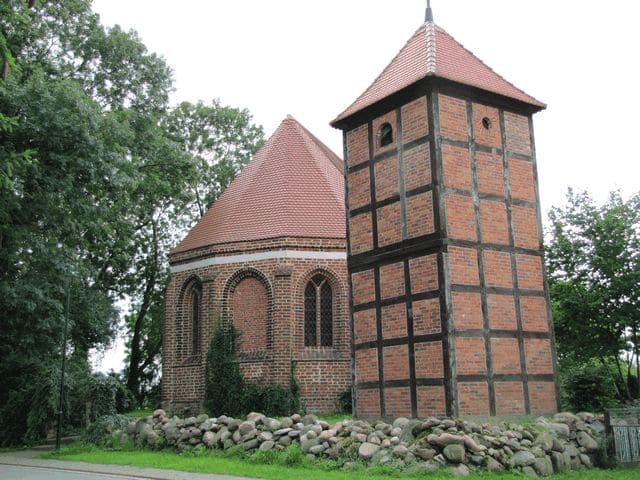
{"points": [[227, 392], [94, 189], [219, 140], [100, 431], [223, 380], [294, 404], [106, 395], [204, 461], [593, 260], [345, 401], [588, 387]]}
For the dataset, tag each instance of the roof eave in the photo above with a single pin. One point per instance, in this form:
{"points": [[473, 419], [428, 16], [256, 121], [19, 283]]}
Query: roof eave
{"points": [[422, 86]]}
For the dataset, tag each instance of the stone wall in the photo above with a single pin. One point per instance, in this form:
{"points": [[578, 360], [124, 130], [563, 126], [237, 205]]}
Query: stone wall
{"points": [[564, 442]]}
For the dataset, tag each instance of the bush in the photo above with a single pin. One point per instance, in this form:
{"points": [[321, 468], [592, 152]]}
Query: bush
{"points": [[223, 380], [589, 388], [227, 392], [100, 431], [106, 395], [345, 401]]}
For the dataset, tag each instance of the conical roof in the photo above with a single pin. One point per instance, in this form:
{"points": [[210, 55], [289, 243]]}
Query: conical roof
{"points": [[293, 187], [432, 52]]}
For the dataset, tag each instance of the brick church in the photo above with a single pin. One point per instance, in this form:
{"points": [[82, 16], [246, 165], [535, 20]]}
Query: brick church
{"points": [[422, 289]]}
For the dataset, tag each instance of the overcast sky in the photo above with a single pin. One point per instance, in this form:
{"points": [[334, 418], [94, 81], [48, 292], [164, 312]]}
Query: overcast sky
{"points": [[312, 59]]}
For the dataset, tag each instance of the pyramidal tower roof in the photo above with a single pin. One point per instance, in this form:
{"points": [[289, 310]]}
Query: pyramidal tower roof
{"points": [[432, 52], [293, 187]]}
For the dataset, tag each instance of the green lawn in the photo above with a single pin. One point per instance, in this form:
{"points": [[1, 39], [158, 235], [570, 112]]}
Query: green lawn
{"points": [[142, 413], [283, 466]]}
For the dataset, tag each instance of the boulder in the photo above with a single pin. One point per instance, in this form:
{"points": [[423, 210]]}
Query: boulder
{"points": [[309, 419], [522, 459], [557, 460], [493, 465], [425, 453], [400, 451], [246, 427], [560, 429], [209, 439], [368, 450], [266, 446], [545, 441], [444, 439], [585, 440], [318, 449], [307, 443], [543, 466], [460, 471], [400, 422], [454, 453], [251, 444]]}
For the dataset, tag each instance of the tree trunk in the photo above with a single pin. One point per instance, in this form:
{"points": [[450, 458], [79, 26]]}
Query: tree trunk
{"points": [[135, 359]]}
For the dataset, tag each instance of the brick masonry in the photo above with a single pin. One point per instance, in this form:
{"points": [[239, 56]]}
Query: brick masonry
{"points": [[265, 302], [450, 310]]}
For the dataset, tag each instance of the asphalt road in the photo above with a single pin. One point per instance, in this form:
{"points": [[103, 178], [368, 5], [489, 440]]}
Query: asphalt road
{"points": [[15, 472], [25, 465]]}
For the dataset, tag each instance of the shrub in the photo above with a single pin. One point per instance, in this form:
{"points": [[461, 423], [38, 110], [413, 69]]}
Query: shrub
{"points": [[589, 388], [101, 430], [105, 395], [227, 392], [223, 380], [345, 401]]}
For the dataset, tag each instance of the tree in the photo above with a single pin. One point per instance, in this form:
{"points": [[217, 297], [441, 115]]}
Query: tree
{"points": [[71, 115], [594, 263], [219, 139]]}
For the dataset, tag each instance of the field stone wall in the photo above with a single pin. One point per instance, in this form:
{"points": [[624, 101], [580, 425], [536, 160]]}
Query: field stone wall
{"points": [[549, 445]]}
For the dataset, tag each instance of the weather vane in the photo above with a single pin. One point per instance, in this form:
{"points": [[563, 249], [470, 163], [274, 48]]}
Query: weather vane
{"points": [[428, 17]]}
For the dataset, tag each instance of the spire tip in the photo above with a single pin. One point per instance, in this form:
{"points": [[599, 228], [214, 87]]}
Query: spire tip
{"points": [[428, 16]]}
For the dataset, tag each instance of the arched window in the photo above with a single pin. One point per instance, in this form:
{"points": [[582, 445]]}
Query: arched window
{"points": [[386, 134], [195, 321], [318, 313]]}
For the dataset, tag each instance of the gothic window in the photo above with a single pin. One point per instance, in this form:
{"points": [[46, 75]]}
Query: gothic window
{"points": [[195, 321], [385, 134], [318, 313]]}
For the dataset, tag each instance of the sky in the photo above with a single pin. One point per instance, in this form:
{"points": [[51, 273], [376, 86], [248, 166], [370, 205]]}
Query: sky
{"points": [[313, 59]]}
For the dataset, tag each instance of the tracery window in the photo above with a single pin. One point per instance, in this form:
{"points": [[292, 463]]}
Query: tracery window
{"points": [[318, 312]]}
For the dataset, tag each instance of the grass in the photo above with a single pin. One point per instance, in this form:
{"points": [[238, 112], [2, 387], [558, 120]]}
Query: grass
{"points": [[141, 413], [289, 465], [335, 418]]}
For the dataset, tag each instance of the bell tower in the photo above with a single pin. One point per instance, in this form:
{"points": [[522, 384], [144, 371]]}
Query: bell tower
{"points": [[449, 304]]}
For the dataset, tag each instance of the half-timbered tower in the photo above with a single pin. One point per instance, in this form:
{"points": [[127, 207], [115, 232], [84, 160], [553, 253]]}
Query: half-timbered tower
{"points": [[449, 306]]}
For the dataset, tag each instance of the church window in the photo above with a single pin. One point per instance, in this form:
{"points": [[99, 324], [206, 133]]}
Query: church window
{"points": [[486, 123], [385, 134], [318, 313], [195, 321]]}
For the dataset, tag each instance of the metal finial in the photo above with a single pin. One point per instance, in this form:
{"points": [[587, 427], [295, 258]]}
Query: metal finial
{"points": [[428, 16]]}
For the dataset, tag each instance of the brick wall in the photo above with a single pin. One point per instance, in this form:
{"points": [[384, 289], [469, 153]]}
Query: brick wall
{"points": [[498, 298], [450, 307], [265, 301]]}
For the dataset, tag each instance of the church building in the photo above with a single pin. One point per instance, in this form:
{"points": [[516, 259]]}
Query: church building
{"points": [[269, 256], [426, 295]]}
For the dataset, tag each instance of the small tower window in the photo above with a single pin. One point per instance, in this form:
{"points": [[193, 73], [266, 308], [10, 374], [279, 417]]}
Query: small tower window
{"points": [[486, 123], [385, 134]]}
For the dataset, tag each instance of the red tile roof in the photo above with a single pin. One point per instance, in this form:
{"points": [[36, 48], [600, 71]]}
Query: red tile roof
{"points": [[293, 187], [432, 52]]}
